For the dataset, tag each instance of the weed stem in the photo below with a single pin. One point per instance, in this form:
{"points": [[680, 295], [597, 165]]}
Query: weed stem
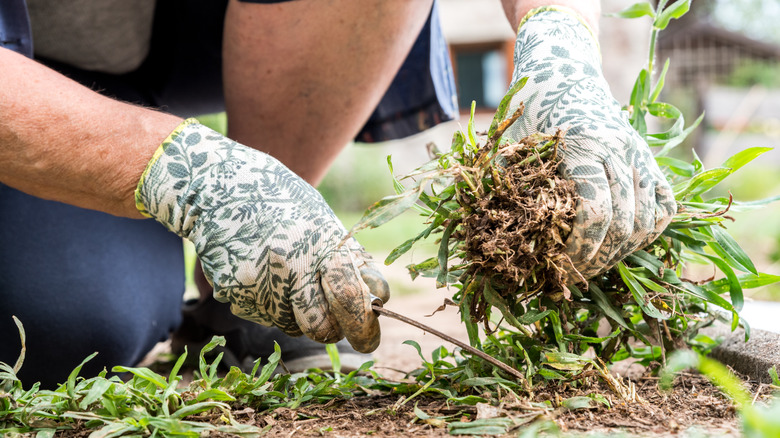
{"points": [[389, 313]]}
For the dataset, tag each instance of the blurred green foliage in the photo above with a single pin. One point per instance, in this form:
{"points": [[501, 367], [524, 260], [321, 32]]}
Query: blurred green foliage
{"points": [[764, 73], [357, 178]]}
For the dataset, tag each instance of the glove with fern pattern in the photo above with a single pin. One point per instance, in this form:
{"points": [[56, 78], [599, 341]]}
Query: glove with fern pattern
{"points": [[625, 200], [268, 242]]}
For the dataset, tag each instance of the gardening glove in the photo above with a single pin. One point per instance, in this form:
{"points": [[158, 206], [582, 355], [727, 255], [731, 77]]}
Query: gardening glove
{"points": [[625, 200], [268, 242]]}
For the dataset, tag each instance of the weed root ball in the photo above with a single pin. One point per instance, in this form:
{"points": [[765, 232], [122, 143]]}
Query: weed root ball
{"points": [[514, 232]]}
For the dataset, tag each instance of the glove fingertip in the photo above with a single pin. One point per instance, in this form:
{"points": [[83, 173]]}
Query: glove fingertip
{"points": [[350, 296], [376, 283], [220, 296], [367, 347]]}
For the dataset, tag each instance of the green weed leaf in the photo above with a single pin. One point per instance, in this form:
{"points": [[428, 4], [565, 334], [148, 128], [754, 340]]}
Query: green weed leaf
{"points": [[387, 208], [485, 426], [728, 249], [70, 384], [578, 402], [144, 374], [679, 167], [503, 106], [215, 395], [639, 293], [444, 254], [675, 140], [268, 369], [746, 281], [635, 11], [675, 10], [659, 85], [743, 157], [603, 302], [23, 341], [473, 144]]}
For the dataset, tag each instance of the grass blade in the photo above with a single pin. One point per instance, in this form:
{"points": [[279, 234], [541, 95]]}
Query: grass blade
{"points": [[639, 293], [144, 374], [503, 106], [23, 340], [99, 387], [397, 186], [606, 305], [387, 208], [679, 167], [735, 289], [659, 85], [746, 281], [743, 157], [444, 254], [406, 246], [472, 134], [677, 140], [728, 248], [675, 10], [197, 408], [172, 377], [268, 369], [70, 384]]}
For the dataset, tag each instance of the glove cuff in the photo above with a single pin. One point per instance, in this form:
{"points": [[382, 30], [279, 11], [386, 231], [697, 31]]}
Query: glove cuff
{"points": [[139, 205], [555, 9]]}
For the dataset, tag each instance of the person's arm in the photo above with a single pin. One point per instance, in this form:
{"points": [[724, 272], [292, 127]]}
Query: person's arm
{"points": [[301, 78], [64, 142], [590, 10], [270, 244]]}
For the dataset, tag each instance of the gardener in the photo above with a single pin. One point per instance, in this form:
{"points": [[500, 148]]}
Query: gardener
{"points": [[298, 79]]}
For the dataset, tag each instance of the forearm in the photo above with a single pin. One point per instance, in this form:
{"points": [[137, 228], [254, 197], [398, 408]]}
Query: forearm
{"points": [[590, 10], [64, 142], [301, 78]]}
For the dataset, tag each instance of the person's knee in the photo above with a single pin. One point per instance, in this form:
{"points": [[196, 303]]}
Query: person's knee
{"points": [[91, 283], [55, 346]]}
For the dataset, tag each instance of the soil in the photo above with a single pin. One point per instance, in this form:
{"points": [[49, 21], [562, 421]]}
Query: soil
{"points": [[693, 404], [692, 408]]}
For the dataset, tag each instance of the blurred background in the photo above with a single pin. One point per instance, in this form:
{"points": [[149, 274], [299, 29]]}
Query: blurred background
{"points": [[725, 63]]}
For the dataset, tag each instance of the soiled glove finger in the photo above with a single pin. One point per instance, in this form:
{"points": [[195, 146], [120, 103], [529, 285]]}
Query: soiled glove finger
{"points": [[369, 271], [349, 299], [376, 283], [665, 208], [625, 201]]}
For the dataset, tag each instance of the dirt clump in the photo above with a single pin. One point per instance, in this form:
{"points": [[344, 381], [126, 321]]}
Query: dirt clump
{"points": [[516, 222]]}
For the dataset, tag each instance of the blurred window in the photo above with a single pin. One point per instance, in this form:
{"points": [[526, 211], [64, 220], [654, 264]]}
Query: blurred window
{"points": [[481, 76]]}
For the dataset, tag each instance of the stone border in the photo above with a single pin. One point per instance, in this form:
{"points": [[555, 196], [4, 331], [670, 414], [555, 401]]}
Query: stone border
{"points": [[752, 358]]}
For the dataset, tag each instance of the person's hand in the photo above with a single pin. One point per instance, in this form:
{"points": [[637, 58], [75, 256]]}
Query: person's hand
{"points": [[625, 200], [268, 242]]}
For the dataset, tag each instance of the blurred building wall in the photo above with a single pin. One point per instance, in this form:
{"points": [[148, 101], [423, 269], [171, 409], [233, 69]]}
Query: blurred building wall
{"points": [[478, 25]]}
